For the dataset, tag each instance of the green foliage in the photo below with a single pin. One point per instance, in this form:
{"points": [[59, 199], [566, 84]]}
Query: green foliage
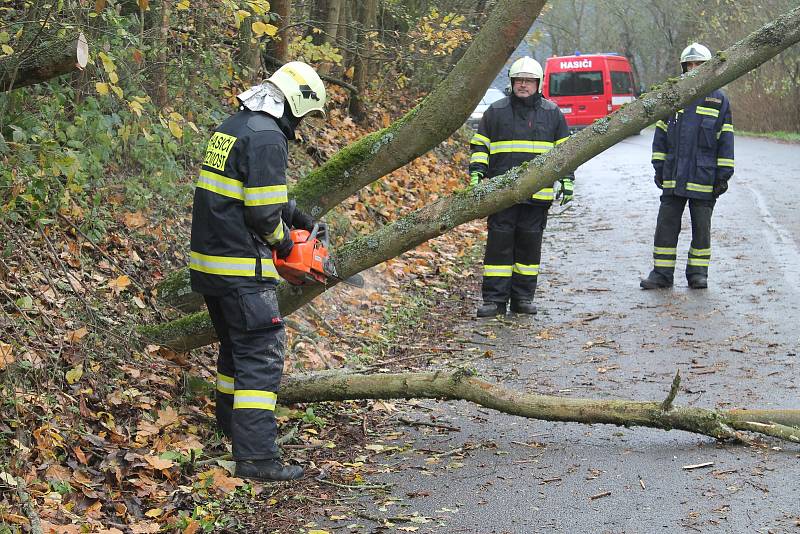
{"points": [[311, 418]]}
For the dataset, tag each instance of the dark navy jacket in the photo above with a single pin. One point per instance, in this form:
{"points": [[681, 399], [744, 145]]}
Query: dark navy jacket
{"points": [[694, 148]]}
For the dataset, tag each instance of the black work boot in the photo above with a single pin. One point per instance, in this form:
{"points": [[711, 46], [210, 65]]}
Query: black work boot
{"points": [[655, 280], [698, 281], [267, 470], [523, 306], [490, 309]]}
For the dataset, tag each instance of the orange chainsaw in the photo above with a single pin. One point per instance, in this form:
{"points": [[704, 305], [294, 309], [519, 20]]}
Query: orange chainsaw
{"points": [[309, 261]]}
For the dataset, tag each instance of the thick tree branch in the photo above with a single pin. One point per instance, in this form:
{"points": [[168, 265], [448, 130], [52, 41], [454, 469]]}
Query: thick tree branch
{"points": [[518, 184], [461, 385]]}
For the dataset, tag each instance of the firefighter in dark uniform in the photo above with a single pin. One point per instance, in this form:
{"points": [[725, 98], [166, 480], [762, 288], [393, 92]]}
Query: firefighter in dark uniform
{"points": [[240, 215], [693, 161], [512, 131]]}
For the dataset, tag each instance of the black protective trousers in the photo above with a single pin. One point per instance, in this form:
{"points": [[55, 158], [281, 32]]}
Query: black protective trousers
{"points": [[513, 252], [668, 228], [249, 367]]}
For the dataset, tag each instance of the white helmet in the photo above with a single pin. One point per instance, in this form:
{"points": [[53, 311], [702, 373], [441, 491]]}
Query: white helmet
{"points": [[526, 67], [302, 87], [695, 52]]}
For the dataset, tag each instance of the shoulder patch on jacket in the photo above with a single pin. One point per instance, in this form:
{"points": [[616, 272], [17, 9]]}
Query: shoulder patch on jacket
{"points": [[713, 100], [261, 123]]}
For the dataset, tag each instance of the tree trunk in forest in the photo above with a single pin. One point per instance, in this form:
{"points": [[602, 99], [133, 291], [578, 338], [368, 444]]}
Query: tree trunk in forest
{"points": [[43, 62], [247, 57], [319, 14], [279, 47], [368, 20], [331, 30], [159, 80], [436, 118], [461, 385], [518, 184]]}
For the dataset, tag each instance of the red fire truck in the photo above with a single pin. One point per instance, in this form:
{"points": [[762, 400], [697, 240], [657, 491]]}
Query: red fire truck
{"points": [[588, 87]]}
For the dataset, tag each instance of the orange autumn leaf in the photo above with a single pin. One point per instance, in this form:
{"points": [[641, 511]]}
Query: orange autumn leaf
{"points": [[76, 335], [6, 355], [134, 219], [119, 284], [167, 416]]}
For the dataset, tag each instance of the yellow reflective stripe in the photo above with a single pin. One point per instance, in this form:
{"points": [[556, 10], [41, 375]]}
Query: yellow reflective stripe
{"points": [[665, 250], [664, 263], [698, 262], [222, 185], [727, 127], [668, 184], [222, 265], [711, 112], [253, 398], [526, 270], [497, 270], [277, 235], [562, 140], [724, 162], [229, 266], [479, 157], [479, 139], [225, 384], [543, 194], [523, 146], [700, 251], [266, 195], [657, 156], [700, 188], [662, 125]]}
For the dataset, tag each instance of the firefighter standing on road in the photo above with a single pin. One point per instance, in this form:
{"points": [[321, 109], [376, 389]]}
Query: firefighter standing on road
{"points": [[512, 131], [240, 215], [693, 160]]}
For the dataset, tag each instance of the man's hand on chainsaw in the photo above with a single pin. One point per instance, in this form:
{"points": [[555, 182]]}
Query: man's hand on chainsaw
{"points": [[284, 248]]}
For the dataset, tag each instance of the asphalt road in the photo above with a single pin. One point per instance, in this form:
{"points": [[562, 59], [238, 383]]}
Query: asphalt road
{"points": [[597, 334]]}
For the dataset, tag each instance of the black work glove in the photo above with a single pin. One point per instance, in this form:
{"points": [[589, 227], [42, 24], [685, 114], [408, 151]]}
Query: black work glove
{"points": [[303, 221], [720, 186], [284, 248], [659, 180]]}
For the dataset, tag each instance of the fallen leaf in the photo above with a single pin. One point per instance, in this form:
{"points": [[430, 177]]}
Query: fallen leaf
{"points": [[76, 335], [158, 463], [134, 219], [74, 374], [6, 355], [119, 284]]}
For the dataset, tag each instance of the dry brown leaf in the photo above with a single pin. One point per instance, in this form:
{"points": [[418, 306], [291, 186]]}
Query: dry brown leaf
{"points": [[134, 219], [159, 463], [76, 335], [119, 284], [6, 355], [167, 416]]}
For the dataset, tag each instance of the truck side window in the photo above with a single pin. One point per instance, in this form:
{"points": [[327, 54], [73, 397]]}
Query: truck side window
{"points": [[621, 83]]}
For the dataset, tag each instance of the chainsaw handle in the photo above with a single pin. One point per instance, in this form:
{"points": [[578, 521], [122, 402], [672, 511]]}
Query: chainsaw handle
{"points": [[315, 231]]}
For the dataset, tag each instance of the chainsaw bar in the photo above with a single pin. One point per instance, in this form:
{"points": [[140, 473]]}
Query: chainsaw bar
{"points": [[330, 270]]}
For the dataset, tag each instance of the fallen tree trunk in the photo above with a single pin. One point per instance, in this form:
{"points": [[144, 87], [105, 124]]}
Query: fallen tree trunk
{"points": [[461, 385], [421, 129], [493, 195], [43, 62]]}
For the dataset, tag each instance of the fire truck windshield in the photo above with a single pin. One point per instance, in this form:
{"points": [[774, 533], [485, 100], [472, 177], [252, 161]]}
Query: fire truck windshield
{"points": [[576, 83]]}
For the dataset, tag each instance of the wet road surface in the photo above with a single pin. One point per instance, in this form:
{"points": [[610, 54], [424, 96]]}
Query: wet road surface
{"points": [[598, 335]]}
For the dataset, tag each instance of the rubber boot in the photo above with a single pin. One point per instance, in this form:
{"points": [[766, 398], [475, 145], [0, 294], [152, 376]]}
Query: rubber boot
{"points": [[267, 470], [698, 281], [523, 306], [655, 280], [490, 309]]}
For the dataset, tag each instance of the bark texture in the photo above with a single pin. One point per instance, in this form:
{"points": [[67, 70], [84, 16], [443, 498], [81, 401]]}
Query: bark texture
{"points": [[502, 191], [43, 62], [461, 385]]}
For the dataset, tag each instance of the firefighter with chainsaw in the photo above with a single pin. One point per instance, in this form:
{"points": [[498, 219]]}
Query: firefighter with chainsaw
{"points": [[240, 216], [693, 161], [512, 131]]}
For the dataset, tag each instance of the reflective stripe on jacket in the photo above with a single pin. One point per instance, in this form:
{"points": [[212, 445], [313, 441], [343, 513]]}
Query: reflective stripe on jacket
{"points": [[694, 148], [236, 215], [512, 132]]}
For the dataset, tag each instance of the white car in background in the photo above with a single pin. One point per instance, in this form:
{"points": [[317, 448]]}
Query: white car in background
{"points": [[491, 96]]}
